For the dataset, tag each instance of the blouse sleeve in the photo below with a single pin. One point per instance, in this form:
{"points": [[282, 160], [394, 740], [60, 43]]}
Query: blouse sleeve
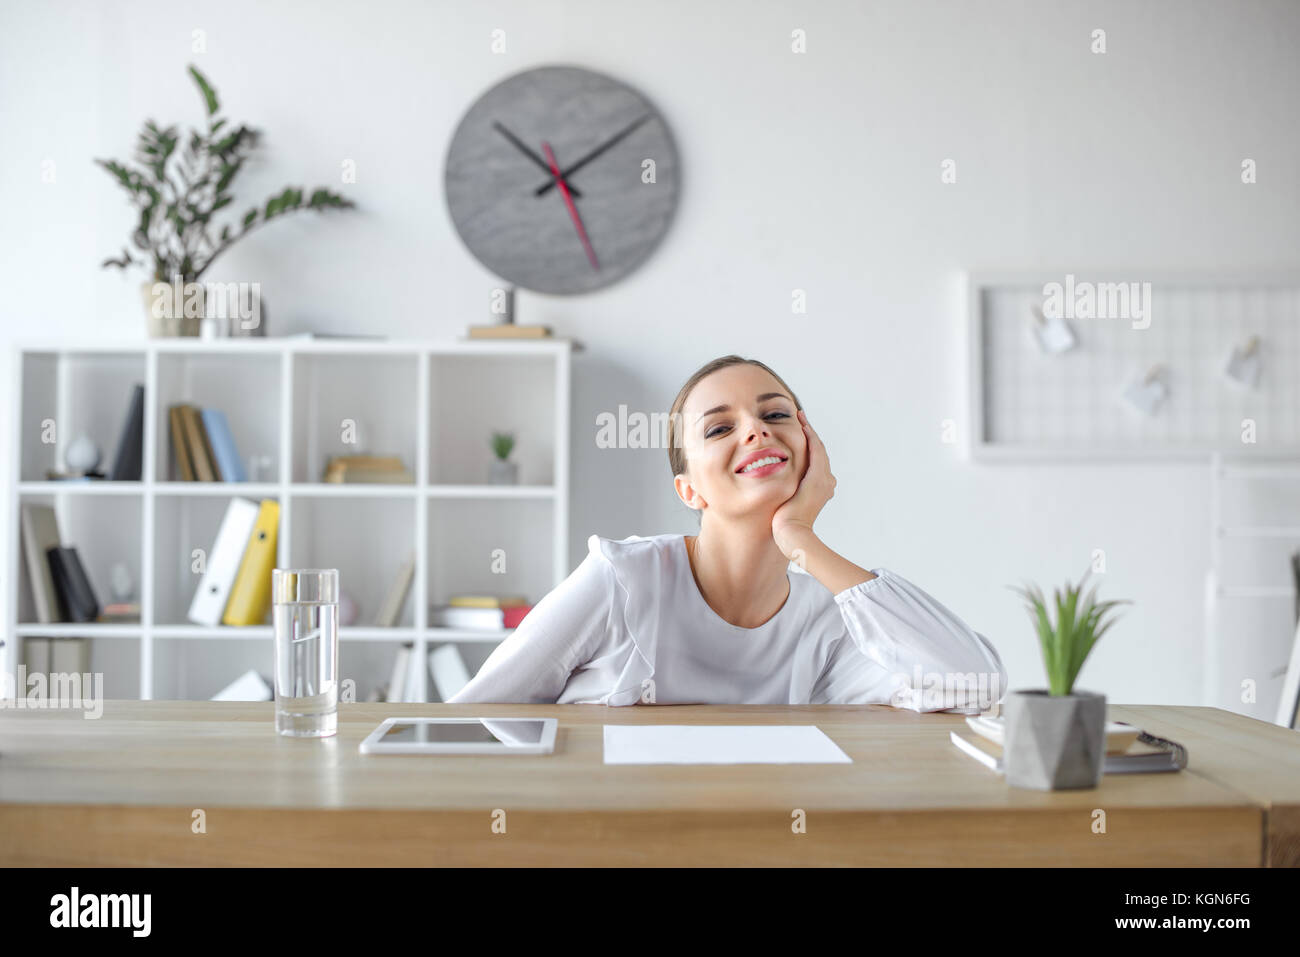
{"points": [[904, 648], [534, 663]]}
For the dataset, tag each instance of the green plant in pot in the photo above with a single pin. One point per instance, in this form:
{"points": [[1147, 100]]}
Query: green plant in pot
{"points": [[1056, 737], [502, 471], [178, 184]]}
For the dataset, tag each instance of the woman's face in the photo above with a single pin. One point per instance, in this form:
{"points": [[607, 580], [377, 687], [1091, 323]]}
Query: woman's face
{"points": [[728, 417]]}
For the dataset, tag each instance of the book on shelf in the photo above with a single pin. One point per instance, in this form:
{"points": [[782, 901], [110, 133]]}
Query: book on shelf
{"points": [[486, 601], [222, 443], [120, 612], [509, 330], [400, 681], [478, 619], [128, 463], [182, 461], [447, 668], [391, 609], [76, 598], [250, 595], [371, 469], [36, 655], [222, 563], [69, 656], [250, 686], [196, 443], [40, 532]]}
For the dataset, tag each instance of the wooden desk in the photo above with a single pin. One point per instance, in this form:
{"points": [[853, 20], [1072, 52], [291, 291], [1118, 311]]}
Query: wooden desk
{"points": [[123, 789]]}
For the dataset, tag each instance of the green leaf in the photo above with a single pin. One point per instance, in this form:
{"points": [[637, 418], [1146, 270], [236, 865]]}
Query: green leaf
{"points": [[1066, 646], [209, 94]]}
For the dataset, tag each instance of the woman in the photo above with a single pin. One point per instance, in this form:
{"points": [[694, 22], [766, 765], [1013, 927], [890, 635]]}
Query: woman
{"points": [[755, 609]]}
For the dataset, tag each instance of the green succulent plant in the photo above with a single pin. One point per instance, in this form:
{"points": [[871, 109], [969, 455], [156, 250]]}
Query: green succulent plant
{"points": [[1067, 643], [177, 193], [502, 444]]}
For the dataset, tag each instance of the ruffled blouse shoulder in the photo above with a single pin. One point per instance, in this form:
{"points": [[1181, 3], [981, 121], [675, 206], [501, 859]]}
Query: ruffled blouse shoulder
{"points": [[643, 575]]}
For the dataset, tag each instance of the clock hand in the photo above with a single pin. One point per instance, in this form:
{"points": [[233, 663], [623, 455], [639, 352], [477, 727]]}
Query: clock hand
{"points": [[568, 201], [626, 131], [523, 148]]}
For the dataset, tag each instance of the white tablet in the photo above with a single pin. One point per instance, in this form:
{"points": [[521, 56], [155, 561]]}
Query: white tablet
{"points": [[462, 736]]}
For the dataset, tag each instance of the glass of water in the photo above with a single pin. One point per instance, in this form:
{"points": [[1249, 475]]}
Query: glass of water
{"points": [[305, 616]]}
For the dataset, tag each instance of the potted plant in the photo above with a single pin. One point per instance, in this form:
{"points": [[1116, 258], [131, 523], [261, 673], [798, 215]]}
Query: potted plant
{"points": [[177, 192], [1055, 737], [503, 472]]}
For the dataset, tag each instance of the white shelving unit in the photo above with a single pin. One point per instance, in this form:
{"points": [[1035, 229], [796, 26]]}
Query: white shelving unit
{"points": [[288, 401], [1249, 597]]}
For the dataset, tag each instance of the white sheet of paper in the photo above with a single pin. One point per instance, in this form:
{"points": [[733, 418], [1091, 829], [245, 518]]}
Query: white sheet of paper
{"points": [[720, 744]]}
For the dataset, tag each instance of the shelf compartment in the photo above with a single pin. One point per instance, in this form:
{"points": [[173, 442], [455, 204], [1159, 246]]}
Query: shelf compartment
{"points": [[324, 534], [464, 539], [472, 396], [117, 661], [72, 394], [182, 524], [196, 668], [245, 387], [104, 529], [353, 405]]}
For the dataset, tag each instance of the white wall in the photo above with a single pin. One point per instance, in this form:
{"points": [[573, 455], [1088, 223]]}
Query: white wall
{"points": [[817, 171]]}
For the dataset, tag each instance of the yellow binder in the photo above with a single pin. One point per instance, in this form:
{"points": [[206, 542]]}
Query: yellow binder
{"points": [[250, 596]]}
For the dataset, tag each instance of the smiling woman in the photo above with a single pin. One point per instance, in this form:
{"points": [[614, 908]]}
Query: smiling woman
{"points": [[755, 609]]}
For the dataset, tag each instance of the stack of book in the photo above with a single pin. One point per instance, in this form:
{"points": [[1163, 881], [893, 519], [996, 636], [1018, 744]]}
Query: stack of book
{"points": [[60, 589], [203, 448], [236, 585], [480, 612], [376, 469], [56, 656], [1128, 749]]}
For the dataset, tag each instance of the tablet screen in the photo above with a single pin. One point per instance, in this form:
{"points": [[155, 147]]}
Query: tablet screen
{"points": [[514, 732]]}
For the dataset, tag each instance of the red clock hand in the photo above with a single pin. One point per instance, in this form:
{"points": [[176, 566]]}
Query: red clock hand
{"points": [[568, 201]]}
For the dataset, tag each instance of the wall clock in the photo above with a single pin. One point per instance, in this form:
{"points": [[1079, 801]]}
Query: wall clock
{"points": [[561, 180]]}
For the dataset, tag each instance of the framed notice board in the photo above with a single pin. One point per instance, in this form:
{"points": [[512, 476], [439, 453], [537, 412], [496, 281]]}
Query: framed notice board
{"points": [[1131, 364]]}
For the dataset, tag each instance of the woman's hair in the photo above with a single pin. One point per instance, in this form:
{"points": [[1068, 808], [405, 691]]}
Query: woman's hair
{"points": [[676, 443]]}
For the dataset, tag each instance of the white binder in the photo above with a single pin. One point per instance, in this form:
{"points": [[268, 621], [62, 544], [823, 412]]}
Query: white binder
{"points": [[223, 562]]}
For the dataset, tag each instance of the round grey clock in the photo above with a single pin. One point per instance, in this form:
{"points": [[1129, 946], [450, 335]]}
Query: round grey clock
{"points": [[561, 180]]}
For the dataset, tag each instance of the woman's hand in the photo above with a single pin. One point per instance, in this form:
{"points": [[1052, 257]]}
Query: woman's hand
{"points": [[792, 522]]}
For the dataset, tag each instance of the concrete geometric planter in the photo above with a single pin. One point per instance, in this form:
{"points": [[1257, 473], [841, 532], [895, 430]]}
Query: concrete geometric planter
{"points": [[1054, 742], [503, 473]]}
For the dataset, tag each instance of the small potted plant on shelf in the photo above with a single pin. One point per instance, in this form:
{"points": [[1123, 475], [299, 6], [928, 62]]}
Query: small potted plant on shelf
{"points": [[177, 186], [1055, 737], [503, 472]]}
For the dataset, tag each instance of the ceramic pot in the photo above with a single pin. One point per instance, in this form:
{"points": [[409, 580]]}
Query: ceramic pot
{"points": [[172, 322], [1054, 742], [503, 473]]}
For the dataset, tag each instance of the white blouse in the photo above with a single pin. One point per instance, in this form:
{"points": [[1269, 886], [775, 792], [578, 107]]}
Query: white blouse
{"points": [[630, 626]]}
